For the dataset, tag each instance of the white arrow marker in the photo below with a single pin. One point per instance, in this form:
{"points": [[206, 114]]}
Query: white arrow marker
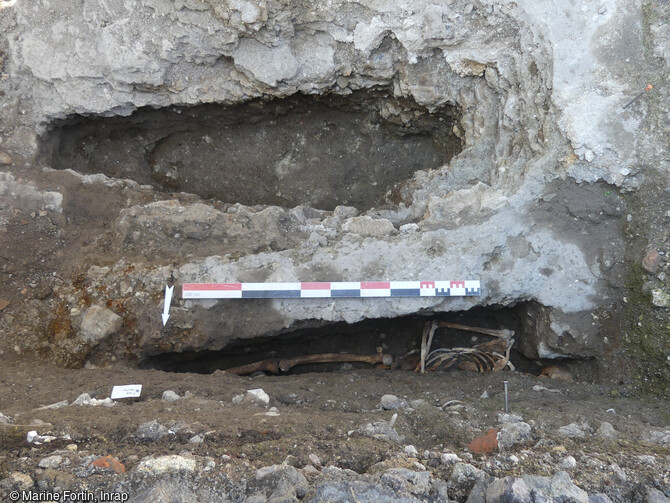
{"points": [[166, 306]]}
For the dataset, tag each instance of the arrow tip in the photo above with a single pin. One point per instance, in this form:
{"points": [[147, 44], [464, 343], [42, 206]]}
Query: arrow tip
{"points": [[165, 318]]}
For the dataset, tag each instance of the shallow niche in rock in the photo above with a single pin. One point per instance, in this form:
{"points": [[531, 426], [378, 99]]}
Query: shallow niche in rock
{"points": [[383, 343], [314, 150]]}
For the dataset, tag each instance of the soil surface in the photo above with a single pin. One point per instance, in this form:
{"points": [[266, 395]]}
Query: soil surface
{"points": [[323, 413]]}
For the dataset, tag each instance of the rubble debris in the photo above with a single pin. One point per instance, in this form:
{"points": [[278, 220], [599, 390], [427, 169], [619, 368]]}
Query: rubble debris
{"points": [[257, 396]]}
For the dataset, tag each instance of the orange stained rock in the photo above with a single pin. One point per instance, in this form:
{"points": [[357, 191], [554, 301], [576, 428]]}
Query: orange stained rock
{"points": [[109, 462], [485, 443]]}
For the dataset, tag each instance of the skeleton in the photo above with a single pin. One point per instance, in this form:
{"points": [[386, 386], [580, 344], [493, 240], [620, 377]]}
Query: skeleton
{"points": [[485, 357], [489, 356]]}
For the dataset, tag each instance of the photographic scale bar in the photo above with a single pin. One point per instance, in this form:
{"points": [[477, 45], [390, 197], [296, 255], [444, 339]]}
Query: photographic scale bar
{"points": [[364, 289]]}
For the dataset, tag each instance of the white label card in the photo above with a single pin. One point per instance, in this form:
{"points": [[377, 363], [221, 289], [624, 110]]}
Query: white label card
{"points": [[126, 391]]}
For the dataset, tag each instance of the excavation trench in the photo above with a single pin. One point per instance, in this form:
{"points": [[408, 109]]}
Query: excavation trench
{"points": [[398, 337], [318, 151]]}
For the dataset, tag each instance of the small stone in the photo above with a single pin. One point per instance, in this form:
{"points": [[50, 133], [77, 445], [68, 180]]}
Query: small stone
{"points": [[602, 9], [568, 463], [660, 298], [5, 419], [368, 226], [574, 430], [5, 159], [109, 462], [99, 323], [558, 487], [485, 443], [21, 481], [448, 458], [392, 402], [658, 437], [606, 430], [646, 460], [71, 447], [464, 473], [511, 434], [310, 470], [83, 399], [655, 496], [410, 450], [196, 439], [509, 418], [257, 396], [170, 396], [151, 431], [51, 461], [238, 399], [618, 472], [166, 464], [509, 489], [651, 261], [484, 395], [381, 430], [314, 459]]}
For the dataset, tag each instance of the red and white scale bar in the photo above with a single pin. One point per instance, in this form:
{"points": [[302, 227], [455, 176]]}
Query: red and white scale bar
{"points": [[330, 289]]}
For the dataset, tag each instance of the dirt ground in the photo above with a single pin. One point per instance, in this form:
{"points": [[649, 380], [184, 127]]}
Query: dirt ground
{"points": [[322, 413]]}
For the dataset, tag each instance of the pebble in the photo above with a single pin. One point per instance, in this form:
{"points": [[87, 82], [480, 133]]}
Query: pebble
{"points": [[51, 461], [448, 458], [257, 396], [511, 434], [5, 159], [151, 431], [392, 402], [658, 437], [484, 395], [196, 439], [618, 472], [166, 464], [606, 430], [272, 412], [568, 463], [651, 261], [655, 496], [238, 399], [22, 481], [5, 419], [464, 473], [574, 430], [509, 418], [314, 459], [170, 396], [410, 450], [646, 459]]}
